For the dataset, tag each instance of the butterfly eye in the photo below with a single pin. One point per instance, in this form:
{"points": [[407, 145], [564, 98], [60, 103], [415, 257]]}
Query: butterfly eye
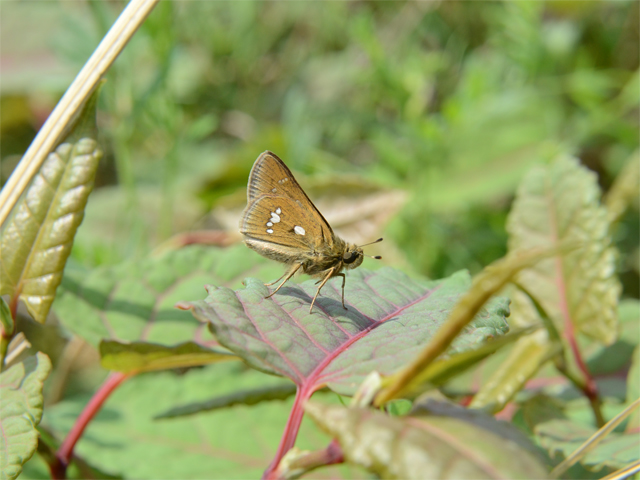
{"points": [[349, 257]]}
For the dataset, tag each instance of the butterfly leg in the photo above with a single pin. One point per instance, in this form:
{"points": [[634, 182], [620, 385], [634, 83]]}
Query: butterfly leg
{"points": [[287, 276], [324, 280], [344, 279]]}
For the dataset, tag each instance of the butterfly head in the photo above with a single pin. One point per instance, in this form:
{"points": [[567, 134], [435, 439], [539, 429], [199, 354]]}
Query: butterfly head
{"points": [[352, 257]]}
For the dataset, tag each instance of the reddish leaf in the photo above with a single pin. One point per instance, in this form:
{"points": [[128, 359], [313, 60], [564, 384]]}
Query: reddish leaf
{"points": [[390, 318]]}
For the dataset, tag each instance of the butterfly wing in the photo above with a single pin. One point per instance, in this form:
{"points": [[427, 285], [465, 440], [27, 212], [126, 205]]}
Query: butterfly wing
{"points": [[284, 222], [270, 176]]}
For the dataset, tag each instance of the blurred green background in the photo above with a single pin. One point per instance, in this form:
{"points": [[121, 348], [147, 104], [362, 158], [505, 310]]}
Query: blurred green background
{"points": [[415, 121]]}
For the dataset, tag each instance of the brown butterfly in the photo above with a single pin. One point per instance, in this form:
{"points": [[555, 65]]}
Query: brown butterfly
{"points": [[281, 223]]}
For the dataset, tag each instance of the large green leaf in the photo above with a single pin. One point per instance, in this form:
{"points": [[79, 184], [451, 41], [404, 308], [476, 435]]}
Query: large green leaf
{"points": [[523, 362], [138, 357], [37, 240], [559, 433], [562, 437], [441, 442], [237, 442], [558, 206], [390, 318], [135, 301], [21, 412]]}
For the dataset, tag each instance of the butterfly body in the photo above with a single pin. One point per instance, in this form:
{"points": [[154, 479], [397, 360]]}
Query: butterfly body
{"points": [[281, 223]]}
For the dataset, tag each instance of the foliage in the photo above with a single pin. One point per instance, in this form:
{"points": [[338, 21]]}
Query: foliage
{"points": [[470, 133]]}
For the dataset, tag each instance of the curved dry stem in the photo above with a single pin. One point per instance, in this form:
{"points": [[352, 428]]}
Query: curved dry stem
{"points": [[71, 103]]}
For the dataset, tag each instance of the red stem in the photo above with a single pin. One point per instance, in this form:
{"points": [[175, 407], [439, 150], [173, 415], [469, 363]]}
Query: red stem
{"points": [[65, 451], [290, 431]]}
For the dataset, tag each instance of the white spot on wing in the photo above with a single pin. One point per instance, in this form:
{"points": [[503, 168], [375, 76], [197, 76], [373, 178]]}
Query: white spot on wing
{"points": [[299, 230], [275, 218], [274, 190], [278, 211], [283, 180], [269, 224], [269, 230]]}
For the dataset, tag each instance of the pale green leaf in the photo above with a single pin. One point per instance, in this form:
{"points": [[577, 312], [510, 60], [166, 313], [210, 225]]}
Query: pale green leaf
{"points": [[280, 391], [21, 412], [524, 360], [141, 357], [558, 205], [452, 443], [561, 437], [487, 283], [126, 440], [37, 239]]}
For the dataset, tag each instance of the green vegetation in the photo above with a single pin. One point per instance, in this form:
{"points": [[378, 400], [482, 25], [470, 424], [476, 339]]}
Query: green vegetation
{"points": [[461, 132]]}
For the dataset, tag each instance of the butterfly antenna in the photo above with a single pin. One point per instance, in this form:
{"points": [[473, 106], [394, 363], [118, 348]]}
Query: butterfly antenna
{"points": [[371, 243], [377, 257]]}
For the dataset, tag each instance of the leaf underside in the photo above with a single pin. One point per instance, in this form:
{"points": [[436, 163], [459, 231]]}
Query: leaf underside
{"points": [[146, 357], [447, 445], [21, 412], [390, 317], [37, 239], [558, 206]]}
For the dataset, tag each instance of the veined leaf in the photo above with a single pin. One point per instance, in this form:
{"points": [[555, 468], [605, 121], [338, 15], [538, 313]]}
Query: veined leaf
{"points": [[37, 239], [135, 301], [487, 283], [562, 437], [449, 443], [231, 443], [558, 205], [390, 318], [524, 360], [443, 369], [21, 412], [253, 396], [146, 357]]}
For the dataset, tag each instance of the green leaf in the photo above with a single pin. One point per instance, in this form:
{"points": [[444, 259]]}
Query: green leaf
{"points": [[389, 318], [444, 369], [37, 239], [234, 443], [614, 358], [135, 301], [486, 284], [559, 205], [561, 437], [21, 411], [141, 357], [436, 441], [523, 362], [242, 397]]}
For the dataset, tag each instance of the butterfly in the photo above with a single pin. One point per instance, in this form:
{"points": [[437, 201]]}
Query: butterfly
{"points": [[281, 223]]}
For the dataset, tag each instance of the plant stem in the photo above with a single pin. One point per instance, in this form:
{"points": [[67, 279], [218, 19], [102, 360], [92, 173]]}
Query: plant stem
{"points": [[588, 387], [290, 432], [330, 455], [65, 451], [71, 103]]}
